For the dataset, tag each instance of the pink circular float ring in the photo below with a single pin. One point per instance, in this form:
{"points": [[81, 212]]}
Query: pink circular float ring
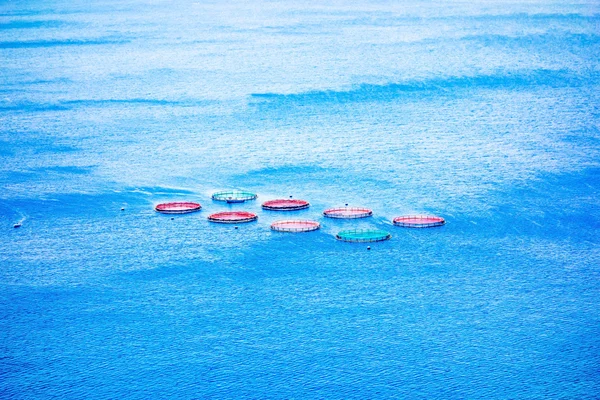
{"points": [[419, 221], [348, 212], [285, 205], [295, 226], [180, 207], [233, 217]]}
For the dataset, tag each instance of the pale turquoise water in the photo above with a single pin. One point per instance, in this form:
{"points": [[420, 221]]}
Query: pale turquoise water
{"points": [[485, 114]]}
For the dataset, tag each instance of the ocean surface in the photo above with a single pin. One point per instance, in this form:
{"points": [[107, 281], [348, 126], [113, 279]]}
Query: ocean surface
{"points": [[485, 113]]}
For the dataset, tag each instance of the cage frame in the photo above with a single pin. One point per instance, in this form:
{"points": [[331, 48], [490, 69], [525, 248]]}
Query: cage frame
{"points": [[314, 225], [250, 217], [331, 212], [301, 205], [403, 221], [384, 236], [237, 196], [159, 207]]}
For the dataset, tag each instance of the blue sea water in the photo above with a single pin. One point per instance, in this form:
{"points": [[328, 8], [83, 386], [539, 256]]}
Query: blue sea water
{"points": [[486, 113]]}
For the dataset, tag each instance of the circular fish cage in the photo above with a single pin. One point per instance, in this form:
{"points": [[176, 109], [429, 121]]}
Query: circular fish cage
{"points": [[285, 205], [180, 207], [234, 196], [295, 226], [363, 235], [348, 212], [233, 217], [419, 221]]}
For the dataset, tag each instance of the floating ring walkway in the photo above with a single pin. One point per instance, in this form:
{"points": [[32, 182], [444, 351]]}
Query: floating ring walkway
{"points": [[234, 196], [419, 221], [181, 207], [363, 235], [233, 217], [285, 205], [348, 212], [295, 226]]}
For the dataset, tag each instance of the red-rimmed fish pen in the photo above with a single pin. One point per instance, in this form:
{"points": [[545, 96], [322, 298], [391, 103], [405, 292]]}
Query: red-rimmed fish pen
{"points": [[285, 205], [348, 212], [180, 207], [233, 217], [419, 221], [295, 226]]}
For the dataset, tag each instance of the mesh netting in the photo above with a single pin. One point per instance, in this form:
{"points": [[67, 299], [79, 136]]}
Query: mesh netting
{"points": [[348, 212], [181, 207], [232, 217], [363, 235], [234, 196], [295, 226], [285, 205], [419, 221]]}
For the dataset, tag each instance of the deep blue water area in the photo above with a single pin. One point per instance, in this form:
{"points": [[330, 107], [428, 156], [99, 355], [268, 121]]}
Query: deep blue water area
{"points": [[485, 113]]}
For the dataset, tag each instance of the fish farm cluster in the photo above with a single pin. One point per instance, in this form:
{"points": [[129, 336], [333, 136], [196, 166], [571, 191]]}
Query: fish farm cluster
{"points": [[299, 225]]}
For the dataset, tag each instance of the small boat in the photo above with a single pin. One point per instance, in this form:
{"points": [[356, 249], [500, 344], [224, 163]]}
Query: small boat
{"points": [[17, 225], [232, 200]]}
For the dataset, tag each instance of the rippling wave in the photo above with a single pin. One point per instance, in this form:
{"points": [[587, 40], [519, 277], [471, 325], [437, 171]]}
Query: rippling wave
{"points": [[519, 80], [485, 113]]}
